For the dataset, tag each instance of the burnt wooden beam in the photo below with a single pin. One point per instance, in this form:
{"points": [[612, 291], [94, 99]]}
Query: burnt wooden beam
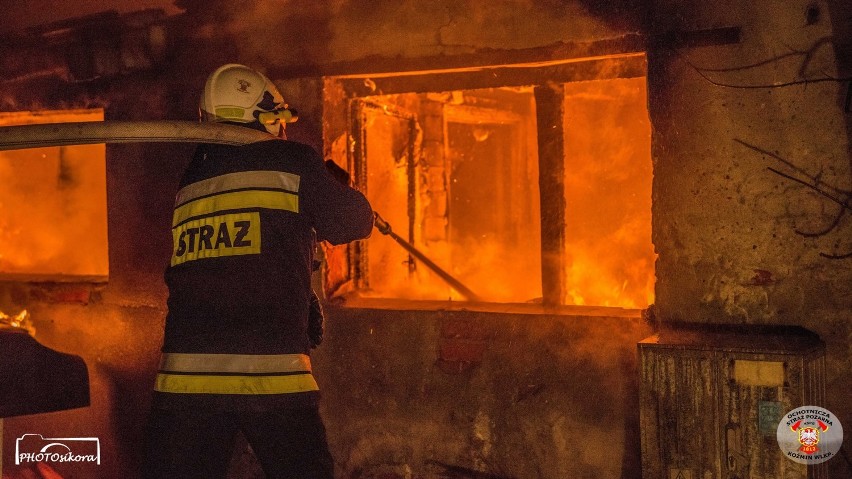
{"points": [[482, 57], [623, 57], [492, 59], [627, 65], [550, 116]]}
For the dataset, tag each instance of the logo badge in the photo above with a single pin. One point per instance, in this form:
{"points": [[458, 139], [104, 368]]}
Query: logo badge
{"points": [[809, 435], [37, 448], [243, 86]]}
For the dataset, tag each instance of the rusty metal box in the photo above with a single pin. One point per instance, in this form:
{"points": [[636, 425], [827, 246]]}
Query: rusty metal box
{"points": [[712, 397]]}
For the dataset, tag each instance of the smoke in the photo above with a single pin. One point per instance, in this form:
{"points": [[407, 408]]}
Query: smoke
{"points": [[280, 33]]}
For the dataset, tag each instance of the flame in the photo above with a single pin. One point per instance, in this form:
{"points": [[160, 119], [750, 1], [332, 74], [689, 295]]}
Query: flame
{"points": [[476, 211], [608, 178], [475, 199], [53, 205], [478, 265], [18, 321]]}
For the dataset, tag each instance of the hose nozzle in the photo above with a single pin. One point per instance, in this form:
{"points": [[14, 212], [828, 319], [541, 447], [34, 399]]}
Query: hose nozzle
{"points": [[383, 226]]}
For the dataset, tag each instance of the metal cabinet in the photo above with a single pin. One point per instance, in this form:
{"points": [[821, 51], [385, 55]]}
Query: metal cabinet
{"points": [[712, 397]]}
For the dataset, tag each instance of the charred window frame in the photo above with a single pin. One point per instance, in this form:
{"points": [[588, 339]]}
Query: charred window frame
{"points": [[348, 97]]}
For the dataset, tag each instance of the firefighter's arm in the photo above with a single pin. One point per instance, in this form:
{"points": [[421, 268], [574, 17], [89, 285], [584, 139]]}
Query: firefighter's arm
{"points": [[338, 173], [339, 212]]}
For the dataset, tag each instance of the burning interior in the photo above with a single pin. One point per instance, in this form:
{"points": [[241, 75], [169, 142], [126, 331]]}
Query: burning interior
{"points": [[457, 173], [62, 235]]}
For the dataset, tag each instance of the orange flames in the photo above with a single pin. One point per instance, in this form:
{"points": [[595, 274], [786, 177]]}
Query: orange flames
{"points": [[19, 321], [475, 194], [53, 206], [475, 207], [608, 173]]}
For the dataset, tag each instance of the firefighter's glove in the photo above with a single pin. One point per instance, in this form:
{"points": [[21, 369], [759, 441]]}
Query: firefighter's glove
{"points": [[337, 172], [315, 321]]}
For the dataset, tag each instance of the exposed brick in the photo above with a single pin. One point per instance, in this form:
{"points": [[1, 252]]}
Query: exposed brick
{"points": [[62, 293], [78, 294], [462, 350], [463, 329]]}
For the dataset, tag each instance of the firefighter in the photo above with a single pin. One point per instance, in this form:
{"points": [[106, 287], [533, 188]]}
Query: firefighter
{"points": [[237, 340]]}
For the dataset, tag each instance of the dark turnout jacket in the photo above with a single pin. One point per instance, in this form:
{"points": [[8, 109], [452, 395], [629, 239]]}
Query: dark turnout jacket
{"points": [[245, 227]]}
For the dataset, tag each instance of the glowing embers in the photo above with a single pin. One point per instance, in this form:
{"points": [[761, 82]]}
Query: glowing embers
{"points": [[608, 174], [53, 205]]}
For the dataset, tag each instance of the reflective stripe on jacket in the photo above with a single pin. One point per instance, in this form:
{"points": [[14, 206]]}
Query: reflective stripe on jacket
{"points": [[218, 216], [183, 373]]}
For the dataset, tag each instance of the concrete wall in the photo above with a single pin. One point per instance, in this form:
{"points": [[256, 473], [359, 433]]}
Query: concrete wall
{"points": [[511, 394], [727, 229]]}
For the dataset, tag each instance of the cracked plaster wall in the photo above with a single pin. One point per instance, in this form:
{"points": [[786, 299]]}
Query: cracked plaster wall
{"points": [[724, 225]]}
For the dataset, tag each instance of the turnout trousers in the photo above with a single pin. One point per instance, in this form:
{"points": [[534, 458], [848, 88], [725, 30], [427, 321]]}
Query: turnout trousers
{"points": [[288, 443]]}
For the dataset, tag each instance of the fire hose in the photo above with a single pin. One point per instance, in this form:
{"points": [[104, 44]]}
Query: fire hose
{"points": [[89, 132], [92, 132], [385, 228]]}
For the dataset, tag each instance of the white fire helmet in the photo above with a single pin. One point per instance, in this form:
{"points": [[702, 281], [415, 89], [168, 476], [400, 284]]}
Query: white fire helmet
{"points": [[239, 94]]}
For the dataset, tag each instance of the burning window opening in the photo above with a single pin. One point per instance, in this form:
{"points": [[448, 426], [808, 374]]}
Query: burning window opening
{"points": [[53, 217], [456, 174], [608, 173]]}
